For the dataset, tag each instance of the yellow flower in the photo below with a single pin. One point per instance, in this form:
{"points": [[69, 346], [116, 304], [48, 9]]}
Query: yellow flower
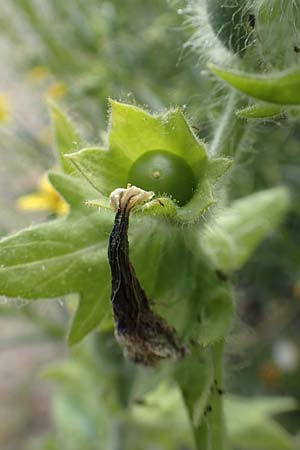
{"points": [[45, 136], [5, 110], [37, 74], [56, 90], [45, 199]]}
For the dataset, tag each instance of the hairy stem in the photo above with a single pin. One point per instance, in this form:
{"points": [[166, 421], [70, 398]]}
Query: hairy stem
{"points": [[230, 130], [216, 416], [195, 377]]}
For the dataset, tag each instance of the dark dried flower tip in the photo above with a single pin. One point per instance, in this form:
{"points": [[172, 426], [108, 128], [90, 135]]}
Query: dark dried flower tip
{"points": [[145, 336]]}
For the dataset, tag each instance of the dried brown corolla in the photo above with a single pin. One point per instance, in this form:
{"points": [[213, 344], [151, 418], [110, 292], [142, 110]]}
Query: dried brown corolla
{"points": [[145, 336]]}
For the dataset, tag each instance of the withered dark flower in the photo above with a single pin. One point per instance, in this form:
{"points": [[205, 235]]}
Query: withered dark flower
{"points": [[145, 336]]}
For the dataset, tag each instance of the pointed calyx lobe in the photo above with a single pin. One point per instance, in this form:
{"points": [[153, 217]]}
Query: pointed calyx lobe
{"points": [[145, 336]]}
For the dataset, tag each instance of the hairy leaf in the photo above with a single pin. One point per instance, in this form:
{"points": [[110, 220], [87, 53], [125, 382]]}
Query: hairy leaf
{"points": [[237, 231], [63, 256], [261, 111], [105, 170], [279, 87], [66, 137], [135, 132]]}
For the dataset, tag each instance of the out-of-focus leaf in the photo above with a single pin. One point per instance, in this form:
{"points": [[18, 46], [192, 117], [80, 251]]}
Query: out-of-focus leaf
{"points": [[249, 421], [77, 409], [157, 414], [261, 111], [267, 435], [237, 230], [279, 87], [66, 137], [251, 427]]}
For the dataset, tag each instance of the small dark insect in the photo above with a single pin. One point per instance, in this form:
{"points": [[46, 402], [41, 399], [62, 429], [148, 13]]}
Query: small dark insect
{"points": [[222, 275], [145, 336], [208, 409], [296, 49], [219, 391], [251, 20]]}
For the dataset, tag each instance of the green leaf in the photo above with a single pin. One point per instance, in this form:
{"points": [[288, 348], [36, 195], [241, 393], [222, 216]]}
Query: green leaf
{"points": [[92, 308], [164, 415], [67, 187], [268, 435], [216, 168], [248, 419], [261, 111], [203, 197], [201, 200], [180, 280], [237, 231], [134, 131], [279, 87], [245, 411], [159, 207], [105, 170], [66, 138], [250, 424], [67, 255], [79, 383]]}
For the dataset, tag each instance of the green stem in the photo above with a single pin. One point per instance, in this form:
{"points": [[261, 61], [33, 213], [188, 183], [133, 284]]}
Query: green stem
{"points": [[216, 415], [200, 378], [230, 130], [195, 377]]}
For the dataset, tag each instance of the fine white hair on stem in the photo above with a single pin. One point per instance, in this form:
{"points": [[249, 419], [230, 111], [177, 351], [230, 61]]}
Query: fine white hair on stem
{"points": [[273, 41], [204, 41]]}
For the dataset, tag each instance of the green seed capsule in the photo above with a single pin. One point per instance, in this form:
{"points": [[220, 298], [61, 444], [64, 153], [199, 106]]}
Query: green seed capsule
{"points": [[164, 172]]}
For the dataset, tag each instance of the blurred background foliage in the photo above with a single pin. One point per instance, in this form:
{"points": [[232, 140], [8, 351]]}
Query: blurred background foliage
{"points": [[79, 53]]}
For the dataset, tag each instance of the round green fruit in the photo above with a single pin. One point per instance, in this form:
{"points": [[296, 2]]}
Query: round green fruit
{"points": [[163, 172]]}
